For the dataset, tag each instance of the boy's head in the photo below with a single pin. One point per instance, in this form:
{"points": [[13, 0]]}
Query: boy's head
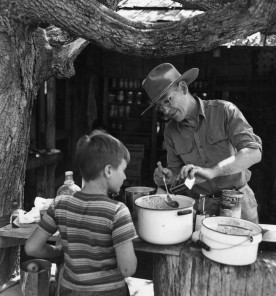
{"points": [[97, 150]]}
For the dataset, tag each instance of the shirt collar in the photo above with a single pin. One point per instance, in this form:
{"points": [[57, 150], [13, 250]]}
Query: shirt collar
{"points": [[201, 108], [201, 111]]}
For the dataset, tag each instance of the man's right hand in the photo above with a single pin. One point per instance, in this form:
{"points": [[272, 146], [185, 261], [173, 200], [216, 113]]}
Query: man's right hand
{"points": [[159, 174]]}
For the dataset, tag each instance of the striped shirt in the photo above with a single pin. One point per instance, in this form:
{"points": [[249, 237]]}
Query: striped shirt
{"points": [[91, 226]]}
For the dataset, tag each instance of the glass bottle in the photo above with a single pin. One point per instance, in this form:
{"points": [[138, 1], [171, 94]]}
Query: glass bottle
{"points": [[14, 214], [69, 187], [201, 213]]}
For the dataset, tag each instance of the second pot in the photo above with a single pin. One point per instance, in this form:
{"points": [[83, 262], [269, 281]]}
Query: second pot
{"points": [[162, 225]]}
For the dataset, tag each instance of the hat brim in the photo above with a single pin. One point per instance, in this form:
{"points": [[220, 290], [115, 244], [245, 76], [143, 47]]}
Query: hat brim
{"points": [[189, 77]]}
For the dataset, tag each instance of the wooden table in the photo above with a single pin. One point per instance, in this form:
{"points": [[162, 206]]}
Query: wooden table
{"points": [[182, 269]]}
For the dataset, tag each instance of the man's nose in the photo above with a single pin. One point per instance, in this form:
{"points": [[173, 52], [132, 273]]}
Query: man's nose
{"points": [[165, 110]]}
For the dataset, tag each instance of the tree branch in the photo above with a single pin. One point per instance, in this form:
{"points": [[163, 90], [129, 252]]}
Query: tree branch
{"points": [[63, 63], [94, 22]]}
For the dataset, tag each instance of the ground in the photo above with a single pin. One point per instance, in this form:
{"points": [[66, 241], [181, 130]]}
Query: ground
{"points": [[137, 287]]}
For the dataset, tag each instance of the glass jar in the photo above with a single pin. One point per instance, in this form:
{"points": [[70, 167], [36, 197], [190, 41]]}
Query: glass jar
{"points": [[230, 205], [14, 214], [120, 96]]}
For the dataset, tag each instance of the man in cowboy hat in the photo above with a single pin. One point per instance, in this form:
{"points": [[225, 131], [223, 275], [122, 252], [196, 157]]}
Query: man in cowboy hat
{"points": [[209, 140]]}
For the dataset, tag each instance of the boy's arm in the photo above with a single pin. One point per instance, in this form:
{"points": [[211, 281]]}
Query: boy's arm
{"points": [[36, 245], [126, 258]]}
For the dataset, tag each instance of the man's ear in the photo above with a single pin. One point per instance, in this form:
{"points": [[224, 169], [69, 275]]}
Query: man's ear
{"points": [[184, 87]]}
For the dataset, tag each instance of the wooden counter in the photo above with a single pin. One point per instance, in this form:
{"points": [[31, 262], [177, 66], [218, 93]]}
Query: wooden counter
{"points": [[10, 237], [17, 236], [182, 269]]}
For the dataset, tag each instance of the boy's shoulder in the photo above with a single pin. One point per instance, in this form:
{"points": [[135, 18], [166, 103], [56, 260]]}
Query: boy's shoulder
{"points": [[99, 198]]}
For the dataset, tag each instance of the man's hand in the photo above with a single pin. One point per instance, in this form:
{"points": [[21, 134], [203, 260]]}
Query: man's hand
{"points": [[200, 174], [159, 174]]}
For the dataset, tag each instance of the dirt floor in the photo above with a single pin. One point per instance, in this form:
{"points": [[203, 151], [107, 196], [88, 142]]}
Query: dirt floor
{"points": [[137, 287]]}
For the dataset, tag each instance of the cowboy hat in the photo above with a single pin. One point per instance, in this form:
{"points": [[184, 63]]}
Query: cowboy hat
{"points": [[162, 79]]}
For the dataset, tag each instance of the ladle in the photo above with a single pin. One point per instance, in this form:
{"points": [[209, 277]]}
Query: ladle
{"points": [[168, 200]]}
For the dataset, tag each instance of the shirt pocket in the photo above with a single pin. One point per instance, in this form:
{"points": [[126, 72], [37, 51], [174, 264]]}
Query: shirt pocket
{"points": [[185, 151], [219, 148], [219, 141]]}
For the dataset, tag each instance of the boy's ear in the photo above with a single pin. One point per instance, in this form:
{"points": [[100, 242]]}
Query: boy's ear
{"points": [[107, 170]]}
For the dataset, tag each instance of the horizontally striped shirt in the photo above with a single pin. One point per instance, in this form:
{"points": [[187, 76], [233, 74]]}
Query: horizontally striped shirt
{"points": [[91, 226]]}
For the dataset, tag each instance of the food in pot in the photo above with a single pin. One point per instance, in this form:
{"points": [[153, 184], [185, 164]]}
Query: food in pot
{"points": [[155, 202], [232, 229]]}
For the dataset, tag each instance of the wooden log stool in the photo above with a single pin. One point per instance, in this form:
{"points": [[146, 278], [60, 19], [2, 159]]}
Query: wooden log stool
{"points": [[192, 273]]}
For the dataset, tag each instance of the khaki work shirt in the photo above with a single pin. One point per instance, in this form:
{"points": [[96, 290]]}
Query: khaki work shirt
{"points": [[220, 131]]}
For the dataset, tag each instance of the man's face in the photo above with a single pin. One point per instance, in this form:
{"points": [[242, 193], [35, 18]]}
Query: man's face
{"points": [[174, 106]]}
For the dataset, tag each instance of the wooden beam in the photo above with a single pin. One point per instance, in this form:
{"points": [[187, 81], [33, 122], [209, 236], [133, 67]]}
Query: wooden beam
{"points": [[50, 141]]}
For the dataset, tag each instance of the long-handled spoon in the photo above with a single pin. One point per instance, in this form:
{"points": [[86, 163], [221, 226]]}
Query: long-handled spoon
{"points": [[168, 200]]}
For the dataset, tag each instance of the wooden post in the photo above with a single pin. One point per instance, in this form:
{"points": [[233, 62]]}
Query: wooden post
{"points": [[192, 273], [45, 185], [153, 150], [41, 115], [50, 141]]}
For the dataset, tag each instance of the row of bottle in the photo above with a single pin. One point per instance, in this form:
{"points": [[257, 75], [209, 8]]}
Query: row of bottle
{"points": [[199, 85], [125, 83], [120, 106], [128, 97], [69, 187], [136, 83]]}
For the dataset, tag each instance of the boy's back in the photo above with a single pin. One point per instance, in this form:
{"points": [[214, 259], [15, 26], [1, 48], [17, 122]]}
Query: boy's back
{"points": [[90, 225]]}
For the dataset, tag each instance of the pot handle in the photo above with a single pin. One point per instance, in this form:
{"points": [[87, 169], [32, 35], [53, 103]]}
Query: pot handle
{"points": [[185, 212], [201, 244]]}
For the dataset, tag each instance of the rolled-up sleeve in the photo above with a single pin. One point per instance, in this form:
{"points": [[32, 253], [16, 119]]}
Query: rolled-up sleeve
{"points": [[240, 131]]}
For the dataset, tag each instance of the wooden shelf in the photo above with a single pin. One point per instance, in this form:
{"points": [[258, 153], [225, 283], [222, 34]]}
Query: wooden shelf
{"points": [[133, 134], [43, 160], [144, 129]]}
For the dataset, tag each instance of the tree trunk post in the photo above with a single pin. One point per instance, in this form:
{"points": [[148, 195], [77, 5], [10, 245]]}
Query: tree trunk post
{"points": [[192, 274]]}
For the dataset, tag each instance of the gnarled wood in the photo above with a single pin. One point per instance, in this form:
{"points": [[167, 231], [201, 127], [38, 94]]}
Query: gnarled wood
{"points": [[95, 22], [193, 274]]}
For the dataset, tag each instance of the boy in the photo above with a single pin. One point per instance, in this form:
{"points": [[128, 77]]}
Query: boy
{"points": [[96, 232]]}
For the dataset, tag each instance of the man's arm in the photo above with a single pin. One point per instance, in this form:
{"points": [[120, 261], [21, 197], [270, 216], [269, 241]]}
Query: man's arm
{"points": [[234, 164]]}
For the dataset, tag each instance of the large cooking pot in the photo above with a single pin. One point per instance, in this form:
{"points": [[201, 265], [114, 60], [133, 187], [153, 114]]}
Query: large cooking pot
{"points": [[160, 224], [231, 240]]}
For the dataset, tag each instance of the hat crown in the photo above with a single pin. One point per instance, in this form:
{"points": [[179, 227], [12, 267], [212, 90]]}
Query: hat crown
{"points": [[159, 79]]}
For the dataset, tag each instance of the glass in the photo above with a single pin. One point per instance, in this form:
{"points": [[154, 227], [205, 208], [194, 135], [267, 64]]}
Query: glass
{"points": [[14, 214], [166, 103]]}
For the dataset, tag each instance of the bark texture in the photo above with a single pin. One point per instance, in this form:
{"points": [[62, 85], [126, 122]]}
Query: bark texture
{"points": [[16, 97], [26, 61], [193, 274], [95, 22]]}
